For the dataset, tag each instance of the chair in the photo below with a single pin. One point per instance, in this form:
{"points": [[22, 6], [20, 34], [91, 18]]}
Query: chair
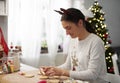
{"points": [[113, 78], [114, 59]]}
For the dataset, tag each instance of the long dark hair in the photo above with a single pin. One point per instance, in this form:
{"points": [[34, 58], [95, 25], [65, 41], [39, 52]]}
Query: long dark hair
{"points": [[74, 15]]}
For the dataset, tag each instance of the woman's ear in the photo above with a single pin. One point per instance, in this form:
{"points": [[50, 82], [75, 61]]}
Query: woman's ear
{"points": [[80, 22]]}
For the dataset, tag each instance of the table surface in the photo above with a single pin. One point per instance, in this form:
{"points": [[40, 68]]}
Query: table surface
{"points": [[17, 78]]}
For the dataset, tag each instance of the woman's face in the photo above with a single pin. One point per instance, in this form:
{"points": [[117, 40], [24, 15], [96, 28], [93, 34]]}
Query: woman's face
{"points": [[71, 28]]}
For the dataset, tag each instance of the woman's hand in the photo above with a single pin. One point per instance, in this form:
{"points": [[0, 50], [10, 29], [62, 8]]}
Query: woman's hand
{"points": [[44, 69], [53, 71]]}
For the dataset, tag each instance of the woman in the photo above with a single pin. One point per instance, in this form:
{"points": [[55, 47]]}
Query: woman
{"points": [[86, 55]]}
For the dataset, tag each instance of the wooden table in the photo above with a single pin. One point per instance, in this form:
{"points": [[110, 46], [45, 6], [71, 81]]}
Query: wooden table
{"points": [[17, 78]]}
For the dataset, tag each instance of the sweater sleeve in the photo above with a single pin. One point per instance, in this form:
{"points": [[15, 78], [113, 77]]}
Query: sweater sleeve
{"points": [[67, 64], [95, 64]]}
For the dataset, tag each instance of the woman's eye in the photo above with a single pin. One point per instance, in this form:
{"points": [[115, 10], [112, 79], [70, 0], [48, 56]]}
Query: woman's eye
{"points": [[68, 28]]}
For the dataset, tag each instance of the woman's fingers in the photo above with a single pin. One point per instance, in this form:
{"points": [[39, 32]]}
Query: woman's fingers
{"points": [[42, 72], [46, 70], [51, 71]]}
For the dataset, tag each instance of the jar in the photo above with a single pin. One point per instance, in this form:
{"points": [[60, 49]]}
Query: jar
{"points": [[16, 62], [1, 60]]}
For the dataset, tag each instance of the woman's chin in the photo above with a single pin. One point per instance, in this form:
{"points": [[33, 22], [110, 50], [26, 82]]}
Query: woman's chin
{"points": [[73, 36]]}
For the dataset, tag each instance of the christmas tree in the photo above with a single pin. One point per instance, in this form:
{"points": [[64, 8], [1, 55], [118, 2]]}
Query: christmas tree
{"points": [[97, 22]]}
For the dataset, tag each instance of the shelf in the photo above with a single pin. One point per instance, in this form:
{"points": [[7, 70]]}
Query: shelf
{"points": [[3, 15], [3, 8]]}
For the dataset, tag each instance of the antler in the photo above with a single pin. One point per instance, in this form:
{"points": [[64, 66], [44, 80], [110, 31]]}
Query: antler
{"points": [[58, 12], [64, 11]]}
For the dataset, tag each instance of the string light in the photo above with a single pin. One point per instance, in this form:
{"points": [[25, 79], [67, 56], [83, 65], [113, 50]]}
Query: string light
{"points": [[106, 58], [103, 38], [101, 31], [90, 21], [100, 21], [110, 54], [96, 25], [110, 61], [94, 19], [104, 25], [107, 42]]}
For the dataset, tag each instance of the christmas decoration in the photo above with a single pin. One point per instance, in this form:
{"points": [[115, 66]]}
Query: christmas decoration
{"points": [[8, 66], [3, 49], [97, 22], [1, 56], [3, 42]]}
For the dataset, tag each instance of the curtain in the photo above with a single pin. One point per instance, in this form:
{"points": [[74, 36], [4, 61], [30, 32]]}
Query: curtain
{"points": [[24, 28], [30, 20], [54, 32]]}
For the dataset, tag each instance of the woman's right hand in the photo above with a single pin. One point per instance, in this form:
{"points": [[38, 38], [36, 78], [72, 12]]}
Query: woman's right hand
{"points": [[44, 69], [53, 71]]}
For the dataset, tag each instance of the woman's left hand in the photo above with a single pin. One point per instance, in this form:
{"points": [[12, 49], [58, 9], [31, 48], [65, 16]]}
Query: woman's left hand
{"points": [[53, 71]]}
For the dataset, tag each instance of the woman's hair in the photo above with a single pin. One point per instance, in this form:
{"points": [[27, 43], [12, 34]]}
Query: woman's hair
{"points": [[74, 15]]}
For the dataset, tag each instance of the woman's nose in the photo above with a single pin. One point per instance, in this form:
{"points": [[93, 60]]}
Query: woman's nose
{"points": [[67, 32]]}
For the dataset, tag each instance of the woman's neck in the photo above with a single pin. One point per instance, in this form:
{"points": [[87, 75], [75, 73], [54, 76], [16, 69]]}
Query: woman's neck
{"points": [[83, 35]]}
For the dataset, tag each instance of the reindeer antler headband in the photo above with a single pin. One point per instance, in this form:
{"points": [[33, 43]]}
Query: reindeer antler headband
{"points": [[74, 13], [63, 11]]}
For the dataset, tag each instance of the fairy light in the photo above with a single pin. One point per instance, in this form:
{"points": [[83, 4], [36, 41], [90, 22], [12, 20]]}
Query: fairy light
{"points": [[101, 31], [97, 10], [107, 42], [110, 54], [90, 21], [94, 19], [98, 29], [100, 21], [110, 61], [109, 57], [106, 58], [103, 38], [103, 35], [102, 26], [96, 25]]}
